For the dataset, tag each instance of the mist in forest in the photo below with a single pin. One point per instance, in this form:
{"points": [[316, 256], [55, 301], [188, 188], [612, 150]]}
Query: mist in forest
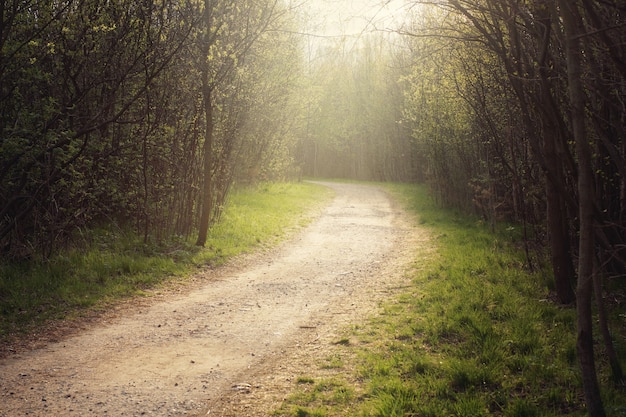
{"points": [[145, 114]]}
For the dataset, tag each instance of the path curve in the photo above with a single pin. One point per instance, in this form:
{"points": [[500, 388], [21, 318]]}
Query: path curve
{"points": [[187, 354]]}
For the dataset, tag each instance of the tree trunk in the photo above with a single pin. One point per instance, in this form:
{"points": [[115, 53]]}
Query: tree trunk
{"points": [[559, 246], [616, 367], [573, 31], [206, 194], [556, 220]]}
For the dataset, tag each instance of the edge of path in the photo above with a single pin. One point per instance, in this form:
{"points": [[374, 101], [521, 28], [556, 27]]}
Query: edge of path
{"points": [[56, 330], [269, 384]]}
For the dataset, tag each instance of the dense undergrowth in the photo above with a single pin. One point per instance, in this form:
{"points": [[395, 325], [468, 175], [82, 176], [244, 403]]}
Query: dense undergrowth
{"points": [[475, 334], [109, 264]]}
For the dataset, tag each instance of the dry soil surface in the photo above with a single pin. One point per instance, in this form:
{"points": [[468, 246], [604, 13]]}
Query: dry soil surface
{"points": [[234, 342]]}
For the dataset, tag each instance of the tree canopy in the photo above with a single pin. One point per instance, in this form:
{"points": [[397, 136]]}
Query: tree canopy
{"points": [[139, 114]]}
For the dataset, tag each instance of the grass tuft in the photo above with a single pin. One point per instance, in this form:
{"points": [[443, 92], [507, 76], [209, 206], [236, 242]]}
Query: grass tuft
{"points": [[305, 380]]}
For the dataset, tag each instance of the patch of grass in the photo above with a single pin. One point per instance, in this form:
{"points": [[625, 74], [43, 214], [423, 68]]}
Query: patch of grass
{"points": [[261, 215], [328, 397], [334, 361], [111, 264], [305, 380], [474, 335], [303, 412]]}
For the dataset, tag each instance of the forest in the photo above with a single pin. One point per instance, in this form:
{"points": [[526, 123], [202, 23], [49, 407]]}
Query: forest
{"points": [[144, 114]]}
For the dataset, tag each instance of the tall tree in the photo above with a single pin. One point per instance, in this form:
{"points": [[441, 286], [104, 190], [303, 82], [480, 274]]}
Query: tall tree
{"points": [[228, 32]]}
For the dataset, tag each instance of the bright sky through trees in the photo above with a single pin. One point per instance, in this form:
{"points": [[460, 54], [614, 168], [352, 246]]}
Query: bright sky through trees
{"points": [[338, 18]]}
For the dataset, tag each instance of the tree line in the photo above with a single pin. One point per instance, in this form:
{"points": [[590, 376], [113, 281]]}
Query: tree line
{"points": [[520, 107], [354, 111], [137, 113]]}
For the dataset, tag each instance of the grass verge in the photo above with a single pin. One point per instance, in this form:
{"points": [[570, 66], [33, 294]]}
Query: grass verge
{"points": [[474, 335], [112, 264]]}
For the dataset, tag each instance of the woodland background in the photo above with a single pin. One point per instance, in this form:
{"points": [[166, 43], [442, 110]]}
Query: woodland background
{"points": [[142, 115]]}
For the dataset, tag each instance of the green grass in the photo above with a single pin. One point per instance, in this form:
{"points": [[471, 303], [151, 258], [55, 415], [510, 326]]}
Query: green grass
{"points": [[112, 264], [474, 335], [315, 398]]}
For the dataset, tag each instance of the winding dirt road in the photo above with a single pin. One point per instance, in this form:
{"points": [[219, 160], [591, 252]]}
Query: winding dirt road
{"points": [[234, 341]]}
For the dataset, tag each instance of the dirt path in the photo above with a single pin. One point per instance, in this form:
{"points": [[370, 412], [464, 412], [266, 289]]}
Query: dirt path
{"points": [[244, 329]]}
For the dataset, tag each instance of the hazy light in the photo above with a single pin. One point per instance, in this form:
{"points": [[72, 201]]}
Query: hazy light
{"points": [[352, 18]]}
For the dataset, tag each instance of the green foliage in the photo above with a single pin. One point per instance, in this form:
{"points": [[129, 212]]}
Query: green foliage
{"points": [[110, 264], [319, 399], [101, 118]]}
